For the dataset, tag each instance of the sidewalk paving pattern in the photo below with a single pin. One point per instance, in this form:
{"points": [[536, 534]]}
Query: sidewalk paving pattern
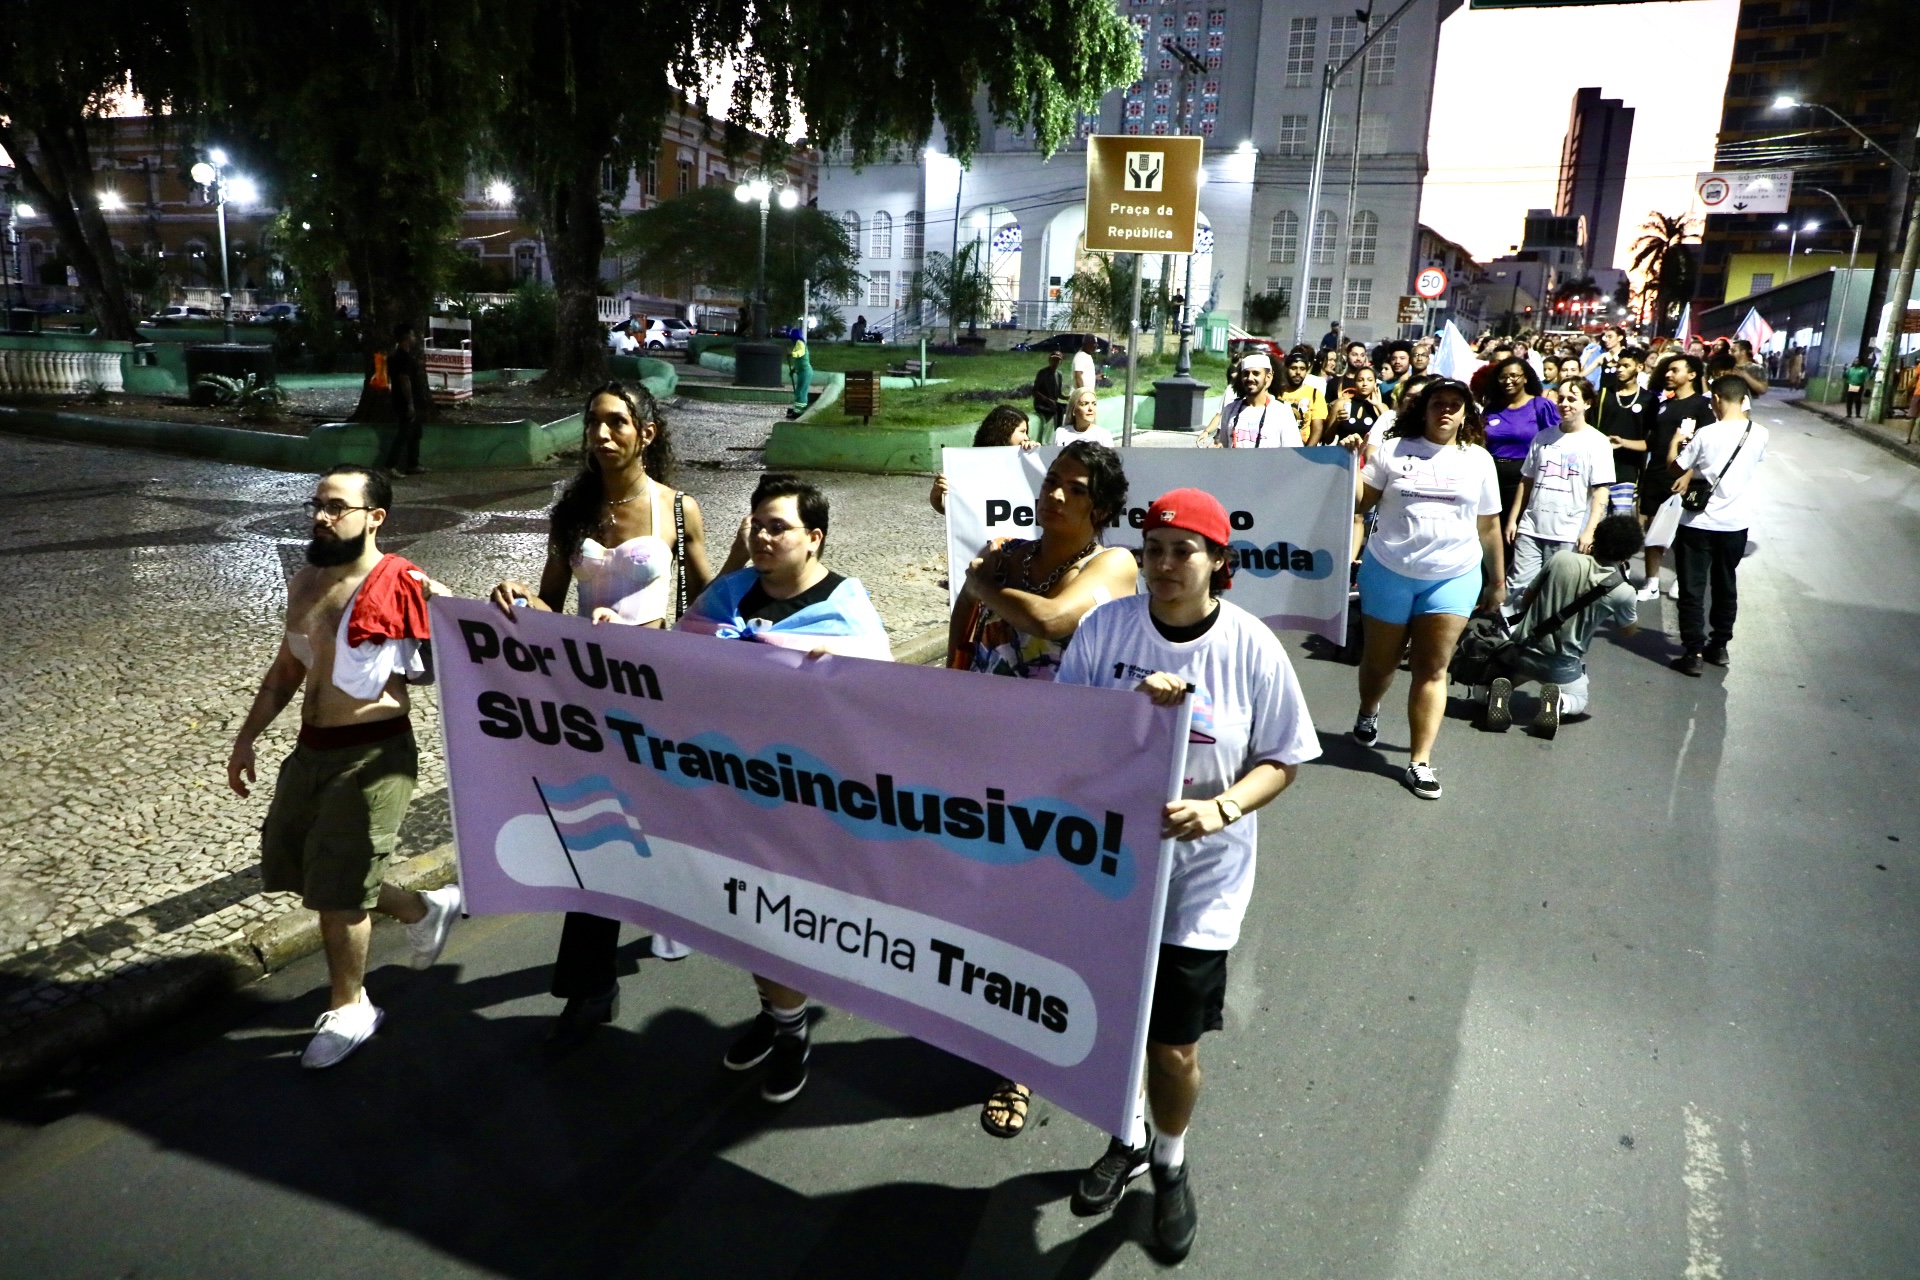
{"points": [[146, 595]]}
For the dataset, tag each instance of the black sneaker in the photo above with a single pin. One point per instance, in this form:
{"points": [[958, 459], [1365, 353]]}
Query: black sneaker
{"points": [[1102, 1185], [1688, 664], [1366, 728], [751, 1049], [786, 1068], [1499, 705], [582, 1014], [1547, 722], [1421, 780], [1716, 654], [1175, 1216]]}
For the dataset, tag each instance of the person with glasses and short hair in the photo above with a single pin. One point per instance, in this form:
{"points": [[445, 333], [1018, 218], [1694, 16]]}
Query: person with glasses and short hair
{"points": [[355, 637]]}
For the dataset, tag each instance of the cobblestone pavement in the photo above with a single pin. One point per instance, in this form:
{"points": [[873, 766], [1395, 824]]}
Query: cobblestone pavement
{"points": [[146, 596]]}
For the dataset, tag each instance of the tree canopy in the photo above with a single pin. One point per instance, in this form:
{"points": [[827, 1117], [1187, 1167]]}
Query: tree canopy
{"points": [[708, 237]]}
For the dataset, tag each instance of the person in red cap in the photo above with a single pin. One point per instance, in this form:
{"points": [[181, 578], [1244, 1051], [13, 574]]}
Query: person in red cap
{"points": [[1249, 730]]}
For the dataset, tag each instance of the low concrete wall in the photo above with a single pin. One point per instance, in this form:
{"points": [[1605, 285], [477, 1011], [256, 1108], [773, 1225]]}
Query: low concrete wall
{"points": [[445, 446]]}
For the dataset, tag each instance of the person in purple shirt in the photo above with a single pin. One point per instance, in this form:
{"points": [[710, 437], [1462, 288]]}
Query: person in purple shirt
{"points": [[1516, 412]]}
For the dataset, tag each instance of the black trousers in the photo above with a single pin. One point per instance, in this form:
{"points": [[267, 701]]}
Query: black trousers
{"points": [[585, 965], [1707, 563], [404, 453], [1852, 397], [1508, 470]]}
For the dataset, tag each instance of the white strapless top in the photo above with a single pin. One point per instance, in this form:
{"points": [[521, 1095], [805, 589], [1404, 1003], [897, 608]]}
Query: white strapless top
{"points": [[634, 578]]}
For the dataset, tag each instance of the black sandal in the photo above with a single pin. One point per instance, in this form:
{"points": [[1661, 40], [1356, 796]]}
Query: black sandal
{"points": [[1010, 1101]]}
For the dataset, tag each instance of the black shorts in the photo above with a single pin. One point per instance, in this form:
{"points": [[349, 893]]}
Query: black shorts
{"points": [[1189, 995]]}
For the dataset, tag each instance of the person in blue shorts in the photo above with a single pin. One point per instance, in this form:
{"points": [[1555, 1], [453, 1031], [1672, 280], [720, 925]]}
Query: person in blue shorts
{"points": [[1435, 556]]}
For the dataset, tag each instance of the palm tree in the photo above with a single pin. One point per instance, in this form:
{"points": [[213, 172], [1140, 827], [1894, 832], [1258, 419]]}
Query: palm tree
{"points": [[1667, 263], [957, 286], [1102, 292]]}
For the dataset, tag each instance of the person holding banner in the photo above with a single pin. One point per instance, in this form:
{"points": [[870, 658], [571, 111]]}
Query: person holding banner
{"points": [[787, 598], [1250, 730], [1003, 425], [1435, 557], [1021, 605], [630, 539]]}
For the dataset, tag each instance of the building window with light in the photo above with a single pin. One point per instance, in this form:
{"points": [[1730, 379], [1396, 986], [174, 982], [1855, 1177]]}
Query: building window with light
{"points": [[1380, 59], [913, 240], [1293, 135], [880, 236], [880, 289], [851, 222]]}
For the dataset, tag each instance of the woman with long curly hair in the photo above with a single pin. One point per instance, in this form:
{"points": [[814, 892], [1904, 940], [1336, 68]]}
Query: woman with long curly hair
{"points": [[637, 548]]}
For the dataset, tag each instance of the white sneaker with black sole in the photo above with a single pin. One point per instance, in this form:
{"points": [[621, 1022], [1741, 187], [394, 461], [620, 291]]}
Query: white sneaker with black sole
{"points": [[1421, 781]]}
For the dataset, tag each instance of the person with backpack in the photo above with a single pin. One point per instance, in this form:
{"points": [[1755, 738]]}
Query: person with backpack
{"points": [[1571, 598]]}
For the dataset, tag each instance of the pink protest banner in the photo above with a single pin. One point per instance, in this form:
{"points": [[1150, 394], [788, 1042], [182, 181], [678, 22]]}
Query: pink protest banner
{"points": [[971, 860]]}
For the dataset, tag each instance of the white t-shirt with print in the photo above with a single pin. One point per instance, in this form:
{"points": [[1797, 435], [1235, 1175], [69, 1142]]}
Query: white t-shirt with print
{"points": [[1732, 505], [1065, 435], [1246, 707], [1431, 499], [1564, 466], [1273, 425]]}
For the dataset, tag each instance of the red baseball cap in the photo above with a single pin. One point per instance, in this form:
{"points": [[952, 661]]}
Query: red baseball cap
{"points": [[1193, 510]]}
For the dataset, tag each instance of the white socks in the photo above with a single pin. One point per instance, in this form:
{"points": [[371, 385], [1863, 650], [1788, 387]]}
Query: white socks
{"points": [[787, 1022], [1169, 1150]]}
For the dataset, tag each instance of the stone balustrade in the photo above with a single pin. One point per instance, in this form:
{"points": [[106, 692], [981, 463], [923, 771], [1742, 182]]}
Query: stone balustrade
{"points": [[32, 364]]}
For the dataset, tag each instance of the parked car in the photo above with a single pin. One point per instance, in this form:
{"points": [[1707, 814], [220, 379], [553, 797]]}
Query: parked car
{"points": [[286, 312], [1066, 344], [667, 333], [176, 312]]}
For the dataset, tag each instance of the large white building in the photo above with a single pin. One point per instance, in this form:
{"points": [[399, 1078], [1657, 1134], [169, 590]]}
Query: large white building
{"points": [[1257, 104]]}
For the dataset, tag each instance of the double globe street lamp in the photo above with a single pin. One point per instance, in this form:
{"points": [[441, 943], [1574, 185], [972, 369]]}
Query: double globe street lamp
{"points": [[757, 363], [212, 174]]}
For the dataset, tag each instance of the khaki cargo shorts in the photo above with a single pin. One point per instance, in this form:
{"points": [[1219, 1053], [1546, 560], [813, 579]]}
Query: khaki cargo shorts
{"points": [[334, 821]]}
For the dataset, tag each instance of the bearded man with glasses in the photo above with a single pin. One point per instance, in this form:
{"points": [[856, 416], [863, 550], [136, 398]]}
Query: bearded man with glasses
{"points": [[356, 636]]}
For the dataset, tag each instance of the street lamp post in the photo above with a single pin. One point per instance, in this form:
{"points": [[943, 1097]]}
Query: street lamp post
{"points": [[214, 176], [1846, 286], [757, 363], [1900, 228]]}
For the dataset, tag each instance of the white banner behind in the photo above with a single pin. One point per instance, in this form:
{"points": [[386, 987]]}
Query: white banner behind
{"points": [[1291, 509]]}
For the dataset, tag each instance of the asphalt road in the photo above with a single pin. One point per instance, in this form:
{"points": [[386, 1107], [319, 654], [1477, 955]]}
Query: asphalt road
{"points": [[1639, 1002]]}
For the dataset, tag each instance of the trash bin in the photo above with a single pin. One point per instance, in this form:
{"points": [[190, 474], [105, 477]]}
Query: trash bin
{"points": [[229, 360]]}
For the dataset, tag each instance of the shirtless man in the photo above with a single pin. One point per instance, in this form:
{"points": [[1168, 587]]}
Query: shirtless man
{"points": [[339, 798]]}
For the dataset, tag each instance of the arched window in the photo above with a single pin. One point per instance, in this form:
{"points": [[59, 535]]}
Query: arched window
{"points": [[1326, 230], [914, 245], [880, 235], [851, 221], [1283, 241], [1364, 241]]}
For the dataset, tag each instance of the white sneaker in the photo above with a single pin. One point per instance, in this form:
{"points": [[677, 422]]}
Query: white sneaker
{"points": [[1673, 592], [340, 1031], [428, 934], [1649, 592], [665, 948]]}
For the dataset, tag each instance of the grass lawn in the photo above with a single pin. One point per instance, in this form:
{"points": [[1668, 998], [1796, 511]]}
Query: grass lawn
{"points": [[975, 383]]}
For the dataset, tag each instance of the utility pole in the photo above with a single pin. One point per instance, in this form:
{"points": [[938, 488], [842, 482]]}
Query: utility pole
{"points": [[1319, 173], [1338, 304], [1829, 350]]}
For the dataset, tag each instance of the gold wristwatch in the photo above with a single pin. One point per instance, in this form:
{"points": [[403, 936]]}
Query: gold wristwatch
{"points": [[1230, 811]]}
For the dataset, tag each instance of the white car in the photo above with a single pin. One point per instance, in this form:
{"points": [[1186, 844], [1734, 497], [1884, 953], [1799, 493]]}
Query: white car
{"points": [[667, 333]]}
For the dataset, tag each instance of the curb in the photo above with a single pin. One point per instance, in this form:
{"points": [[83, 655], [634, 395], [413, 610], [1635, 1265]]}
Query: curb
{"points": [[1863, 429], [924, 648], [122, 1006]]}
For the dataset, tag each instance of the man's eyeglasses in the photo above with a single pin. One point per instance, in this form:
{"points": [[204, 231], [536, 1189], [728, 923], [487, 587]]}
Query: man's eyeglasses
{"points": [[332, 510]]}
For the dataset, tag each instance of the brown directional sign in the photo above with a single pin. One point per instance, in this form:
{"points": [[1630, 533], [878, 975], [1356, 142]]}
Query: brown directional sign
{"points": [[1143, 194]]}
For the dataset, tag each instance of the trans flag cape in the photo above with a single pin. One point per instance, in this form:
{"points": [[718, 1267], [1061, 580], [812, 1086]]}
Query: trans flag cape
{"points": [[845, 622]]}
